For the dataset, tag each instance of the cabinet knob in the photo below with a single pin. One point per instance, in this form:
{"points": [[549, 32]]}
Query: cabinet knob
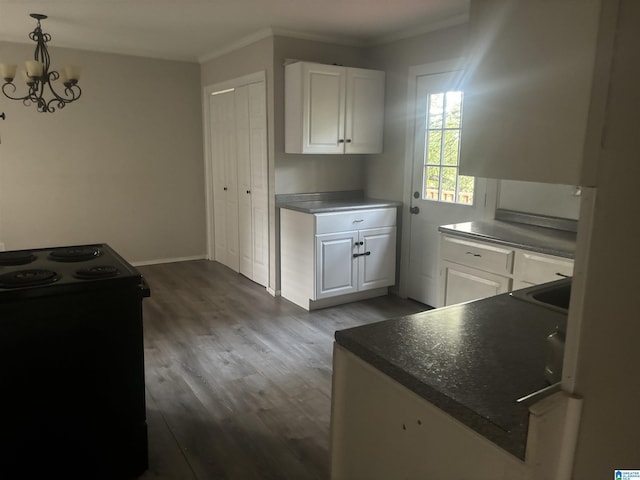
{"points": [[225, 189], [248, 191], [359, 243], [348, 140], [341, 140]]}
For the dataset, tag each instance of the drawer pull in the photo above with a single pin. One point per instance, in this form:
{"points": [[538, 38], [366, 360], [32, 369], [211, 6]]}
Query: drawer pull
{"points": [[365, 254], [474, 254], [562, 275], [358, 221]]}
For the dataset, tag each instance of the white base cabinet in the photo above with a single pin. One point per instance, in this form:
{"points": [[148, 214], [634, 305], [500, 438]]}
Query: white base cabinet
{"points": [[331, 258], [472, 269]]}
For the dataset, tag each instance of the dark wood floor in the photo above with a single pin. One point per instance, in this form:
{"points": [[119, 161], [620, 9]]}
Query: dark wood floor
{"points": [[239, 382]]}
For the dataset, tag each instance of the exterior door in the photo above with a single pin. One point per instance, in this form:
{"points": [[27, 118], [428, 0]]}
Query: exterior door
{"points": [[439, 196]]}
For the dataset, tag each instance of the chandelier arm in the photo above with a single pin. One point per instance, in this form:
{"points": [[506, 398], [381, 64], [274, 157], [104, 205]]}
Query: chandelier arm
{"points": [[69, 91], [13, 89]]}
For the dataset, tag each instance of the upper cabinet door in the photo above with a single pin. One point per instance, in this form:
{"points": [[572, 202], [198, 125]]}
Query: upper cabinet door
{"points": [[333, 110], [364, 116], [535, 90]]}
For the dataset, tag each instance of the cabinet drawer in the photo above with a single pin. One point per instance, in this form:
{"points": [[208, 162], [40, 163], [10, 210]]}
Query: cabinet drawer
{"points": [[536, 268], [490, 258], [354, 220]]}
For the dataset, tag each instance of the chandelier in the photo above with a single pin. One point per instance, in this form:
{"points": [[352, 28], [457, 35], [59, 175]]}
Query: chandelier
{"points": [[39, 79]]}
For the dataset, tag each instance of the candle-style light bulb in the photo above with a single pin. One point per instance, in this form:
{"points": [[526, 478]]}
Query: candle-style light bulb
{"points": [[8, 71], [72, 74], [34, 68]]}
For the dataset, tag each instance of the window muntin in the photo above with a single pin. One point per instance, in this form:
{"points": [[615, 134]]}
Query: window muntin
{"points": [[441, 179]]}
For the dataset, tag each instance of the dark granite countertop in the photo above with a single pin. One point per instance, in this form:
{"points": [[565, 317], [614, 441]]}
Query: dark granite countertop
{"points": [[472, 360], [530, 237], [325, 206]]}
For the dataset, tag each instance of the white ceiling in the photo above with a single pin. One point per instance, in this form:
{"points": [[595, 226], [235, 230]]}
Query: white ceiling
{"points": [[194, 30]]}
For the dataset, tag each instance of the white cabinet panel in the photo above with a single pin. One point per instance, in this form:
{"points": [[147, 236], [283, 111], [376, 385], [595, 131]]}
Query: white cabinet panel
{"points": [[377, 250], [355, 220], [492, 258], [331, 109], [364, 111], [336, 268], [463, 284], [535, 268]]}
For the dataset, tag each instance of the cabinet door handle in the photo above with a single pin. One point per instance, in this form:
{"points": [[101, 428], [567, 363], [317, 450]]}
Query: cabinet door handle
{"points": [[359, 243], [348, 140], [474, 254], [365, 254], [341, 140], [562, 275]]}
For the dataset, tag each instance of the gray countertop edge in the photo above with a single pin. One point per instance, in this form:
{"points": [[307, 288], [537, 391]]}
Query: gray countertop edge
{"points": [[525, 246], [328, 206], [513, 441]]}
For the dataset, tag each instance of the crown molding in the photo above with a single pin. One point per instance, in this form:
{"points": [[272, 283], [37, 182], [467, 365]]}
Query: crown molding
{"points": [[428, 28], [243, 42]]}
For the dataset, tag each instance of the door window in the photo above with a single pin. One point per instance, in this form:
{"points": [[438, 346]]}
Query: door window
{"points": [[442, 181]]}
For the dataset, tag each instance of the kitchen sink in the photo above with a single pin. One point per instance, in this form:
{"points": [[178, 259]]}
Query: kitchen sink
{"points": [[553, 295]]}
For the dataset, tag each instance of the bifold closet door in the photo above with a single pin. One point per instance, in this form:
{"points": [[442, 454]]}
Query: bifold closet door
{"points": [[225, 178], [239, 147]]}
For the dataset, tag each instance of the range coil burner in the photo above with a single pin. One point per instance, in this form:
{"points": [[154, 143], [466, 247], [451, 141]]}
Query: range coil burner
{"points": [[100, 271], [75, 254], [28, 278], [16, 258]]}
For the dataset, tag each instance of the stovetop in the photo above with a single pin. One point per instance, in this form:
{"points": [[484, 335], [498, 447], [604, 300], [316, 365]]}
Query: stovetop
{"points": [[47, 271]]}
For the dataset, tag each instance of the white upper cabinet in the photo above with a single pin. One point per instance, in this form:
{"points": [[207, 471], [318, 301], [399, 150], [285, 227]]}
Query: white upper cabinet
{"points": [[535, 89], [331, 109]]}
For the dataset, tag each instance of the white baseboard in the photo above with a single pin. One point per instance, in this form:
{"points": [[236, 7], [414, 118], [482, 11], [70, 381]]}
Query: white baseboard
{"points": [[168, 260]]}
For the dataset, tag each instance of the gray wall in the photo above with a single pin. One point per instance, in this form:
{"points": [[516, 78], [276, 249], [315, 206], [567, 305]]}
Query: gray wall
{"points": [[541, 198], [122, 165], [385, 172]]}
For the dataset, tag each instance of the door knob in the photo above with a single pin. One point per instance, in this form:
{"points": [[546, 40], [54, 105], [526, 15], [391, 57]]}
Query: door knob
{"points": [[416, 194], [414, 210]]}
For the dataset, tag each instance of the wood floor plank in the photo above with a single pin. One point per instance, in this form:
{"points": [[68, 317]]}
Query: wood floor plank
{"points": [[239, 382]]}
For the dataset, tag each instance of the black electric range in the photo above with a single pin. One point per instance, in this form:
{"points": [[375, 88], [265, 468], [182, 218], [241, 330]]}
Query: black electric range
{"points": [[72, 403], [53, 271]]}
